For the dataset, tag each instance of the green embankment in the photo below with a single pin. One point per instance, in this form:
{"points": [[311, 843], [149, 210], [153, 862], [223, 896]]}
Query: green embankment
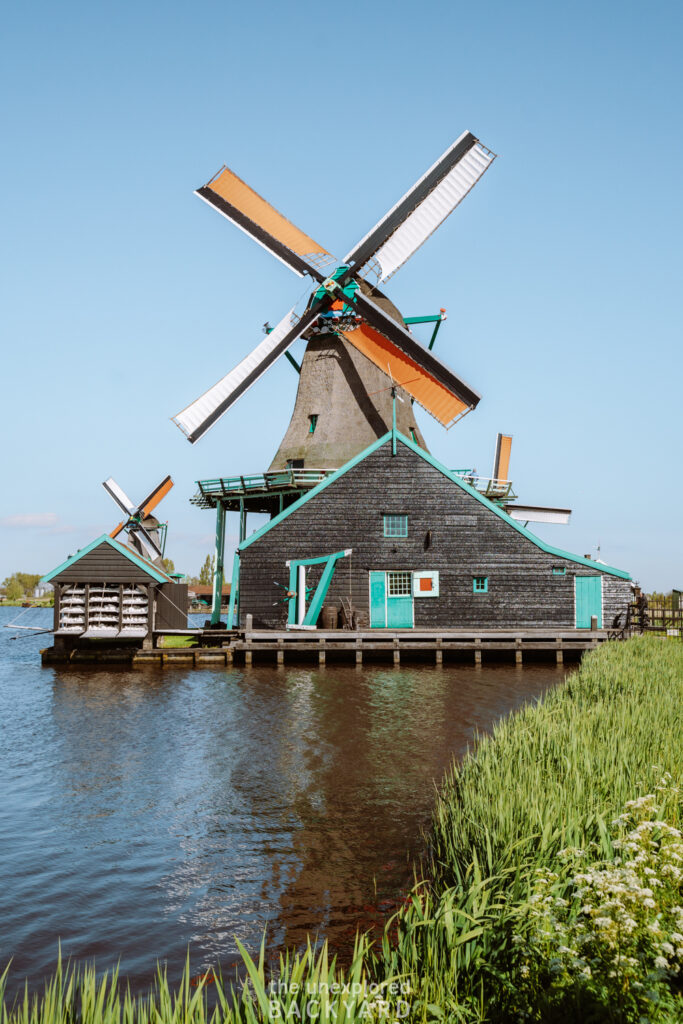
{"points": [[555, 889]]}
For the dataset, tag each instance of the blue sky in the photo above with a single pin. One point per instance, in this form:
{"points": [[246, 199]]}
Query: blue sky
{"points": [[124, 296]]}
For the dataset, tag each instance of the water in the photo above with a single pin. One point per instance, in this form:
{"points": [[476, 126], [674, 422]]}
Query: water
{"points": [[144, 811]]}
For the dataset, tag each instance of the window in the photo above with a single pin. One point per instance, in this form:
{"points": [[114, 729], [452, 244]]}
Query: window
{"points": [[396, 526], [559, 570], [480, 584], [312, 423], [399, 584], [425, 584], [413, 435], [295, 463]]}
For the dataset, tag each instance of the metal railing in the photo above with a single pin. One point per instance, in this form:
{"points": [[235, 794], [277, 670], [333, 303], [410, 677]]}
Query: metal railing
{"points": [[488, 486], [285, 479]]}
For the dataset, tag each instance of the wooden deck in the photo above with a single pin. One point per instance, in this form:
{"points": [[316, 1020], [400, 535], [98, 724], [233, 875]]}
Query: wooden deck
{"points": [[224, 648]]}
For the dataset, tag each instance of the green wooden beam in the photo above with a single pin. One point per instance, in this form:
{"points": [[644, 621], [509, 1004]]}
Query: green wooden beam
{"points": [[293, 362], [218, 572]]}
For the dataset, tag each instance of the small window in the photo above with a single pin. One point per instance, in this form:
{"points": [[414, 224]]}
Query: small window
{"points": [[295, 463], [396, 526], [413, 435], [480, 584], [312, 423], [559, 570], [399, 584]]}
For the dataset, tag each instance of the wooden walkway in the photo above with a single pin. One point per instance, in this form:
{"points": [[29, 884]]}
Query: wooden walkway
{"points": [[395, 646]]}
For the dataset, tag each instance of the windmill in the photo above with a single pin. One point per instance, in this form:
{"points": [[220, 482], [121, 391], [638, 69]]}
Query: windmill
{"points": [[354, 333], [498, 488], [145, 533]]}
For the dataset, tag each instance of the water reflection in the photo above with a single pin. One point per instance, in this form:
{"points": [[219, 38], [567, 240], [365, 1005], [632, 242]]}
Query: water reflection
{"points": [[145, 811]]}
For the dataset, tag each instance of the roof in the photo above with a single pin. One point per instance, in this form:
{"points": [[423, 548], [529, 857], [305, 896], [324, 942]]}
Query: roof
{"points": [[142, 563], [458, 481]]}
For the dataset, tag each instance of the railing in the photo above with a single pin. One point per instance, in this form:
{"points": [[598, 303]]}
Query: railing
{"points": [[286, 479], [645, 617], [496, 490]]}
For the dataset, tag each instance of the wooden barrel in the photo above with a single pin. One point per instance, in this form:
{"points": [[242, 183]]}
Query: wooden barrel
{"points": [[330, 616]]}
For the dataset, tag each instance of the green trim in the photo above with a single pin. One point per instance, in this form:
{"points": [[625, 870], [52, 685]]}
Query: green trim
{"points": [[480, 584], [315, 491], [141, 563], [559, 570]]}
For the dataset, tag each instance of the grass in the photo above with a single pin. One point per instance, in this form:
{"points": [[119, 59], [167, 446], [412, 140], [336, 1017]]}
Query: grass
{"points": [[478, 940]]}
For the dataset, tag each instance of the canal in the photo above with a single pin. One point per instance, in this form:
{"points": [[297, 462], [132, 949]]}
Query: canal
{"points": [[145, 812]]}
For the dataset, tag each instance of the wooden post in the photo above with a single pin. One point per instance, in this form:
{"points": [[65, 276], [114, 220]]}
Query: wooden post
{"points": [[247, 655], [559, 656], [218, 568], [477, 651], [359, 651], [321, 651], [439, 651], [518, 651], [397, 652], [280, 652], [594, 623]]}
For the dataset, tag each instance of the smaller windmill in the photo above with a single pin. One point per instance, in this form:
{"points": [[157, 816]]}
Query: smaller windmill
{"points": [[145, 533], [498, 489]]}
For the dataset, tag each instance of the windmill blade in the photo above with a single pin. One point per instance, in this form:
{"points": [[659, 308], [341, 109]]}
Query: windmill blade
{"points": [[196, 419], [117, 530], [150, 547], [256, 217], [539, 514], [423, 208], [120, 497], [501, 462], [408, 375], [381, 329], [153, 499]]}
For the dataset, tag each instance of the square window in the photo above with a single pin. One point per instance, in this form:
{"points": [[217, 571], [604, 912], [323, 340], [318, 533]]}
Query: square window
{"points": [[399, 584], [312, 423], [480, 584], [396, 526], [559, 570]]}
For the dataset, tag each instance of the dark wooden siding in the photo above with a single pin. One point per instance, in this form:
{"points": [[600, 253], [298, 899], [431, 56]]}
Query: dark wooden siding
{"points": [[449, 531], [171, 611], [104, 565]]}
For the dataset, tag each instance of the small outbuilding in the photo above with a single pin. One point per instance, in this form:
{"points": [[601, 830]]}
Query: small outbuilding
{"points": [[395, 540], [107, 591]]}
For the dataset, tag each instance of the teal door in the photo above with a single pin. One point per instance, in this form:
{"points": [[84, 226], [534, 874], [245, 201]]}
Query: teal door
{"points": [[588, 600], [378, 600], [399, 612]]}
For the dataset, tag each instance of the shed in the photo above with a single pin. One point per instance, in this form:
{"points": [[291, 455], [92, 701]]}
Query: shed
{"points": [[107, 591]]}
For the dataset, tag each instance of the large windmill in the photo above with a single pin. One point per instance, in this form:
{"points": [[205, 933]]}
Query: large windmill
{"points": [[358, 344]]}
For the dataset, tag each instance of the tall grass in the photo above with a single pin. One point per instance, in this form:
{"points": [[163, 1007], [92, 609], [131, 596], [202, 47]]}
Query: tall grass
{"points": [[552, 777]]}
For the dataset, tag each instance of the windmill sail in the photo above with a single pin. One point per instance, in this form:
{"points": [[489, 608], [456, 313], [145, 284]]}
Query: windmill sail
{"points": [[256, 217], [382, 334], [120, 497], [196, 419], [501, 463], [153, 499], [423, 208], [421, 385]]}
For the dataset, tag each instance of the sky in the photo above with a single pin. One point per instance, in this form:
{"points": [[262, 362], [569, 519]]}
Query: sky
{"points": [[124, 296]]}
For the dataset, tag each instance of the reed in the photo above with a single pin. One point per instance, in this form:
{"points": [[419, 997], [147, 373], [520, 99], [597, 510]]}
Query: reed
{"points": [[478, 939]]}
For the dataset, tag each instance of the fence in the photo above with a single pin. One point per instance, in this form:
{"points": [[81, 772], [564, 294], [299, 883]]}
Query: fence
{"points": [[645, 617]]}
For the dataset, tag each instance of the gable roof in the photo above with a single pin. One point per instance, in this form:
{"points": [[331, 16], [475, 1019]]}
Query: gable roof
{"points": [[142, 563], [386, 438]]}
